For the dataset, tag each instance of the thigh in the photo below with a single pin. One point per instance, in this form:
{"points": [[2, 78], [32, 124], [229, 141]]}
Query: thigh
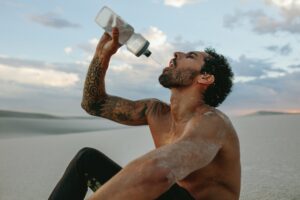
{"points": [[89, 168]]}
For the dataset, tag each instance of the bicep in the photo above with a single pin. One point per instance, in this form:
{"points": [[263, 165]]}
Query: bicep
{"points": [[128, 112], [122, 110]]}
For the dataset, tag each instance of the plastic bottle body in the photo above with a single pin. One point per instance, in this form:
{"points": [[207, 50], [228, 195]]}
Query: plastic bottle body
{"points": [[138, 45], [107, 19], [135, 43]]}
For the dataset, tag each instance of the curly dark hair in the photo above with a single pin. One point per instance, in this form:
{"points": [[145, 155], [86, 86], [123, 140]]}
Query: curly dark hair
{"points": [[217, 65]]}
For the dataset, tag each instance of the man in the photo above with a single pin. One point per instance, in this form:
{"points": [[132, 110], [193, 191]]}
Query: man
{"points": [[197, 149]]}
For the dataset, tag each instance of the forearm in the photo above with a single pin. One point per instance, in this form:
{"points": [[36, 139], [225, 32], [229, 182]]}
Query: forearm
{"points": [[94, 92], [139, 180]]}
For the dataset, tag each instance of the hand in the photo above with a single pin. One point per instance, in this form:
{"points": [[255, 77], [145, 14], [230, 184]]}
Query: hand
{"points": [[108, 45]]}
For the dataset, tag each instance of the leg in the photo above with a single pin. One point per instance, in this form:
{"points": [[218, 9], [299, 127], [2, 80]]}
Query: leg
{"points": [[89, 168], [176, 193]]}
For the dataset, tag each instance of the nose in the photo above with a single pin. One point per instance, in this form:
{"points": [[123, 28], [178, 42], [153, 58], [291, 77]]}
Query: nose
{"points": [[178, 54]]}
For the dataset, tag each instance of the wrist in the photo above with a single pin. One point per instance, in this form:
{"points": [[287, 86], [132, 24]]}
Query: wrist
{"points": [[101, 60], [104, 58]]}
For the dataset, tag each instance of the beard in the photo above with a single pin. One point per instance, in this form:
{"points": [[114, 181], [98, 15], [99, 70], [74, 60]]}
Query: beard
{"points": [[175, 78]]}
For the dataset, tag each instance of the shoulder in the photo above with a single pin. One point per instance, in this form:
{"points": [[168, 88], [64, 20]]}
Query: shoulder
{"points": [[212, 116], [210, 124]]}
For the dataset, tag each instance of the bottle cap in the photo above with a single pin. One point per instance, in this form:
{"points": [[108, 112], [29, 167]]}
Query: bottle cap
{"points": [[147, 53], [144, 50]]}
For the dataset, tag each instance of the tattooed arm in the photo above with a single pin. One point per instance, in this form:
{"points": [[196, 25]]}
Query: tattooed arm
{"points": [[95, 99]]}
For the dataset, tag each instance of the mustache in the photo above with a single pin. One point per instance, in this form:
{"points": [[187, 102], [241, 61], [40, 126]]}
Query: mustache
{"points": [[174, 62]]}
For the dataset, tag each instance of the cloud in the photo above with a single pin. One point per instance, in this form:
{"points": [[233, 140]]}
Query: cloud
{"points": [[68, 50], [248, 69], [296, 67], [38, 86], [38, 64], [27, 73], [260, 86], [53, 20], [287, 19], [281, 50], [179, 3], [39, 77], [183, 45], [286, 4], [278, 93]]}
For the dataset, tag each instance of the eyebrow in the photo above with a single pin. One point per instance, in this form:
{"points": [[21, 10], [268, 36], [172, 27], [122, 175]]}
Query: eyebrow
{"points": [[192, 53]]}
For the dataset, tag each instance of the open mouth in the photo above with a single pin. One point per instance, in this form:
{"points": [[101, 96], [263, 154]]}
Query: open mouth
{"points": [[172, 62]]}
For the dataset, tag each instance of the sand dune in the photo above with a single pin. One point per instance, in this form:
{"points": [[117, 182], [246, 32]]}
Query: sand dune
{"points": [[21, 124], [31, 164]]}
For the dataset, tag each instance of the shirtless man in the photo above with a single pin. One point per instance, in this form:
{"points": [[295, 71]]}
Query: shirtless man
{"points": [[197, 148]]}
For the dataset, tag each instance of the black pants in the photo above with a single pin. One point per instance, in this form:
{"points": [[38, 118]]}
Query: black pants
{"points": [[91, 168]]}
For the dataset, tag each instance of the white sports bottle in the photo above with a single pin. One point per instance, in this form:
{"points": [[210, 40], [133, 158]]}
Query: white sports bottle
{"points": [[134, 42]]}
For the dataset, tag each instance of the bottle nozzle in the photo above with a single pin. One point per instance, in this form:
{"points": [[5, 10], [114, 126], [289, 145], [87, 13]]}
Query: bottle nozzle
{"points": [[147, 53]]}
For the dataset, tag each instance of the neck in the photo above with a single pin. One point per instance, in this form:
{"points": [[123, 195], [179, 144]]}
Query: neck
{"points": [[184, 103]]}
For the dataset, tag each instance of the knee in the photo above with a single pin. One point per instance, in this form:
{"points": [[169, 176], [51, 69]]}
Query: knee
{"points": [[87, 152]]}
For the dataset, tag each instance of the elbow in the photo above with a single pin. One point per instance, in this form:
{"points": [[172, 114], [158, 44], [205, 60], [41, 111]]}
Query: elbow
{"points": [[86, 107], [91, 108]]}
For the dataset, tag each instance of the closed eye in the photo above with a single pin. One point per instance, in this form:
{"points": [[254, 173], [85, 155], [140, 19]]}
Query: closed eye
{"points": [[191, 55]]}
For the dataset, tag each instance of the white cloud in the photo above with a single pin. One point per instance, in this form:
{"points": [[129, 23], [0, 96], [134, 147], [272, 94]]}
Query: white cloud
{"points": [[179, 3], [68, 50], [244, 79], [121, 68], [156, 36], [37, 77], [286, 20], [288, 4]]}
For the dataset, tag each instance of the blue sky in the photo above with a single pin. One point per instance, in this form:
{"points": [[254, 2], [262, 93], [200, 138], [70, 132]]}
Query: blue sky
{"points": [[46, 47]]}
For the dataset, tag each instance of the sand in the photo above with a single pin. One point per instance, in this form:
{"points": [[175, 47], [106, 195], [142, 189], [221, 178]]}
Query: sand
{"points": [[34, 153]]}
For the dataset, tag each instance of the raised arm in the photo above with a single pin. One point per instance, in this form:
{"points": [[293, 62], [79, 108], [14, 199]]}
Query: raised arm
{"points": [[97, 102]]}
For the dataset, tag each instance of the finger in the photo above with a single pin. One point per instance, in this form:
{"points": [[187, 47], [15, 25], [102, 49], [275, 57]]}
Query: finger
{"points": [[115, 36], [105, 37]]}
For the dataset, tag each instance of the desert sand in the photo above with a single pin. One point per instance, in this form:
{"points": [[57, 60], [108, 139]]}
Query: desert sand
{"points": [[35, 150]]}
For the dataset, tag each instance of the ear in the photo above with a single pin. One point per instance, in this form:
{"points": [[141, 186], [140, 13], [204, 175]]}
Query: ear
{"points": [[206, 79]]}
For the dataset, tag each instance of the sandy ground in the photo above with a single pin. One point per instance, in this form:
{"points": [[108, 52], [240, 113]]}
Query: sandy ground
{"points": [[35, 152]]}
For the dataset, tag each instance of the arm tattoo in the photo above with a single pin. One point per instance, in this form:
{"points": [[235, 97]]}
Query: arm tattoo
{"points": [[96, 102], [94, 88], [124, 111]]}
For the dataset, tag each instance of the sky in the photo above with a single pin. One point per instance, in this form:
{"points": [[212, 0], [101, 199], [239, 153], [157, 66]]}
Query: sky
{"points": [[46, 47]]}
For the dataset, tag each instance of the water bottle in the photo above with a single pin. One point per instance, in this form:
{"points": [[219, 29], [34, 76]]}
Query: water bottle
{"points": [[134, 42]]}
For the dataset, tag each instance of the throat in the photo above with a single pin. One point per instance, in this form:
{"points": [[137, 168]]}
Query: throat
{"points": [[184, 104]]}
